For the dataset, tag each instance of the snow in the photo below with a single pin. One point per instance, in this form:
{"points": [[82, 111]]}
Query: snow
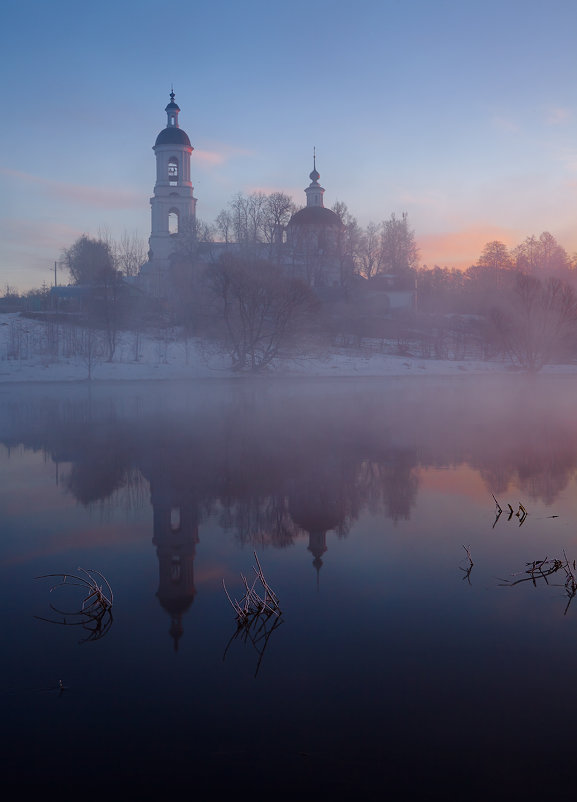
{"points": [[177, 359]]}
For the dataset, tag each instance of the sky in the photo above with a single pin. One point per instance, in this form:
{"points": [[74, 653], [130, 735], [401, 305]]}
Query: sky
{"points": [[462, 114]]}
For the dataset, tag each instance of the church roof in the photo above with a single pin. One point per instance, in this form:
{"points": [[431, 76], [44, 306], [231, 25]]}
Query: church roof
{"points": [[315, 215], [171, 135]]}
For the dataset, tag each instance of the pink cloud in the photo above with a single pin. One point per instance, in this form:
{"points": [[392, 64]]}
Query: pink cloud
{"points": [[218, 155], [30, 235], [100, 197], [208, 157]]}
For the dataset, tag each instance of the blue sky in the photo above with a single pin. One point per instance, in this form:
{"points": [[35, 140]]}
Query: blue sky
{"points": [[463, 114]]}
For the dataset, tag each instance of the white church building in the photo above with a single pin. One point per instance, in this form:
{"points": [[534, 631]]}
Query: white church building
{"points": [[312, 244]]}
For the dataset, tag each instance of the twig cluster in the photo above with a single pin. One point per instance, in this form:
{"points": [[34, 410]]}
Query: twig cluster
{"points": [[542, 569], [521, 513], [95, 613], [470, 564], [253, 606], [258, 614]]}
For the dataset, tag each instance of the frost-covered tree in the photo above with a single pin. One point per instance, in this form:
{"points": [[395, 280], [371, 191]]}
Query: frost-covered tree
{"points": [[130, 253], [538, 324], [259, 308], [542, 254], [369, 251], [496, 255]]}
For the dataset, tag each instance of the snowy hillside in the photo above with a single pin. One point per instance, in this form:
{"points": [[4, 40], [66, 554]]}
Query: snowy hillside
{"points": [[32, 351]]}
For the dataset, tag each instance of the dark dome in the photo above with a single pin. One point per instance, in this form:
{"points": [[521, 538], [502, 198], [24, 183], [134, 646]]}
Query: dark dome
{"points": [[172, 136], [315, 215]]}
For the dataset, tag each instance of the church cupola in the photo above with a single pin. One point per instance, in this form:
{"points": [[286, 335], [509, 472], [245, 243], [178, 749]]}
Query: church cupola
{"points": [[314, 191], [172, 113], [173, 133]]}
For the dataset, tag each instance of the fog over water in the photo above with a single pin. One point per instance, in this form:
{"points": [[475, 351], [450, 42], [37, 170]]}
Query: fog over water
{"points": [[237, 437], [399, 661]]}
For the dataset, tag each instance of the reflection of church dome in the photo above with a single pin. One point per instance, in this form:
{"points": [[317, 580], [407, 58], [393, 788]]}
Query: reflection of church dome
{"points": [[317, 514], [175, 605], [317, 547]]}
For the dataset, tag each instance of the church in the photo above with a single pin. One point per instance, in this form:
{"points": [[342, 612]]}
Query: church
{"points": [[310, 247]]}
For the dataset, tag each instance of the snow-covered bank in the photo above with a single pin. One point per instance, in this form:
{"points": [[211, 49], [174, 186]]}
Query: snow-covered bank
{"points": [[174, 359]]}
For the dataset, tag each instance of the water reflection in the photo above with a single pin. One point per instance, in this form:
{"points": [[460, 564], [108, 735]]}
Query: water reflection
{"points": [[275, 463], [387, 484]]}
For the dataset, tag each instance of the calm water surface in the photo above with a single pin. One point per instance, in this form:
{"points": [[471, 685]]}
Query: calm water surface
{"points": [[394, 671]]}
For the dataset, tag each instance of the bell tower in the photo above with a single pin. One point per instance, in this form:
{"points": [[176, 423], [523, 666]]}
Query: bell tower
{"points": [[173, 205]]}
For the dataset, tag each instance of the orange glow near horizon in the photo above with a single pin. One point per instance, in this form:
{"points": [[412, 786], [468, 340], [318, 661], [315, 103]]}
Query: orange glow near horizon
{"points": [[461, 249]]}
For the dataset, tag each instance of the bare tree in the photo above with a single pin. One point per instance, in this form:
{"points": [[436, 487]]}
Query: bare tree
{"points": [[91, 348], [399, 252], [369, 251], [496, 256], [278, 210], [130, 253], [255, 218], [259, 309], [527, 255], [350, 240], [247, 213], [539, 324], [541, 254], [224, 225]]}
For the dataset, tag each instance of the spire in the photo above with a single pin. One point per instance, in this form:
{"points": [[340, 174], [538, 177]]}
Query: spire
{"points": [[315, 175]]}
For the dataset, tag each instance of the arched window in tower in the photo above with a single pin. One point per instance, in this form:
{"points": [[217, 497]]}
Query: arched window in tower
{"points": [[175, 568], [175, 519], [173, 221], [173, 171]]}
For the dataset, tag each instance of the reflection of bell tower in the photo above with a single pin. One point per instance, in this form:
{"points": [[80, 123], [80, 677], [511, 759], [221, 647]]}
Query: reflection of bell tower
{"points": [[175, 538]]}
